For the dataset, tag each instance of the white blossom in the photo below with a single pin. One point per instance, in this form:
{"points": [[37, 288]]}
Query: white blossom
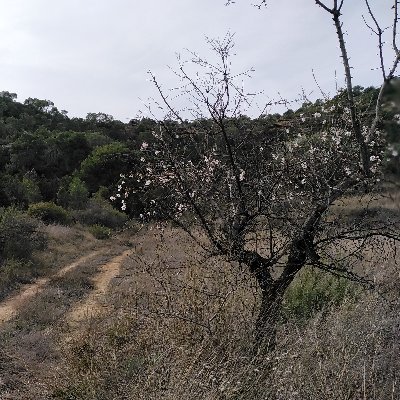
{"points": [[144, 146]]}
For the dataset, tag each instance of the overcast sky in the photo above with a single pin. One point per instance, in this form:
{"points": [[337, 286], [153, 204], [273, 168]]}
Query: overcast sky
{"points": [[93, 55]]}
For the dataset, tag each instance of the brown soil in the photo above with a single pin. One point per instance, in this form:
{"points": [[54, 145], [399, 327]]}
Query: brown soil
{"points": [[10, 306], [91, 305]]}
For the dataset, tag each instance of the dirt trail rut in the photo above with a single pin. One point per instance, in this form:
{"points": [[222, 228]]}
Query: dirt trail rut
{"points": [[92, 306], [9, 307]]}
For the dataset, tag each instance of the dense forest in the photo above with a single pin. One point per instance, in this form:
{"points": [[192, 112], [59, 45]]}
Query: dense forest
{"points": [[46, 156]]}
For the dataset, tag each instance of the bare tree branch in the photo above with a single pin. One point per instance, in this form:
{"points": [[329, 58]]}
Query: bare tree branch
{"points": [[379, 33], [321, 4]]}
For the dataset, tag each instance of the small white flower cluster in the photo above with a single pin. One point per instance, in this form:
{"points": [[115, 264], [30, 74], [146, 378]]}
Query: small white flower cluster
{"points": [[122, 193], [211, 162], [393, 151], [144, 146]]}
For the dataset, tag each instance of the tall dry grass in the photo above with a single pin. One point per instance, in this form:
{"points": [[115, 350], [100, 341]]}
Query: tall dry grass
{"points": [[180, 327]]}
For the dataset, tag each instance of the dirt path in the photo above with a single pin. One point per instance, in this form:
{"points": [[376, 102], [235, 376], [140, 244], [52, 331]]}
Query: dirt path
{"points": [[9, 307], [92, 306], [40, 347]]}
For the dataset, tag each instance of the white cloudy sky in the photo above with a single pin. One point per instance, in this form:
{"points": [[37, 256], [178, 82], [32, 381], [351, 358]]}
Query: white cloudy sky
{"points": [[93, 55]]}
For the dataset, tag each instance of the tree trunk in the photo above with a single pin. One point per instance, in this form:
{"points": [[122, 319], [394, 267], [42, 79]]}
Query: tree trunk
{"points": [[272, 296], [267, 320]]}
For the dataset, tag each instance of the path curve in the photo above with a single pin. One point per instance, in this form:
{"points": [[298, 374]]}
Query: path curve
{"points": [[10, 306]]}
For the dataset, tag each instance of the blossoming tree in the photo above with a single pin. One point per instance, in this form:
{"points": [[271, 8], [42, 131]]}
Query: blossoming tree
{"points": [[233, 180]]}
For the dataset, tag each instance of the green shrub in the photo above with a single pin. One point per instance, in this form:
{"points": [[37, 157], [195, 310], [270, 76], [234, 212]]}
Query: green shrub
{"points": [[49, 212], [312, 290], [72, 193], [16, 191], [31, 190], [20, 235], [14, 270], [12, 191], [100, 212], [100, 231], [62, 197], [102, 194], [104, 165], [78, 194]]}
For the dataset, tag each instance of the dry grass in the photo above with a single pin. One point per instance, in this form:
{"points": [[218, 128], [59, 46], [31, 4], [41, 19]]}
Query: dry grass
{"points": [[33, 337], [179, 325], [181, 328], [65, 244]]}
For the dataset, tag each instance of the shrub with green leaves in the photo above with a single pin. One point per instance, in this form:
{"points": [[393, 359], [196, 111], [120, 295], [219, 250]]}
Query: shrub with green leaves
{"points": [[31, 190], [12, 191], [104, 165], [20, 235], [49, 212], [312, 290], [14, 272], [78, 195], [100, 212], [100, 231]]}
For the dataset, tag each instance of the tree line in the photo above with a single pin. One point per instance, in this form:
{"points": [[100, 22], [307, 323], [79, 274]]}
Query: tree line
{"points": [[47, 156]]}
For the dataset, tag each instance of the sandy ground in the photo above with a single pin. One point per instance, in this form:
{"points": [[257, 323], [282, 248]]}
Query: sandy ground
{"points": [[91, 305], [10, 306]]}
